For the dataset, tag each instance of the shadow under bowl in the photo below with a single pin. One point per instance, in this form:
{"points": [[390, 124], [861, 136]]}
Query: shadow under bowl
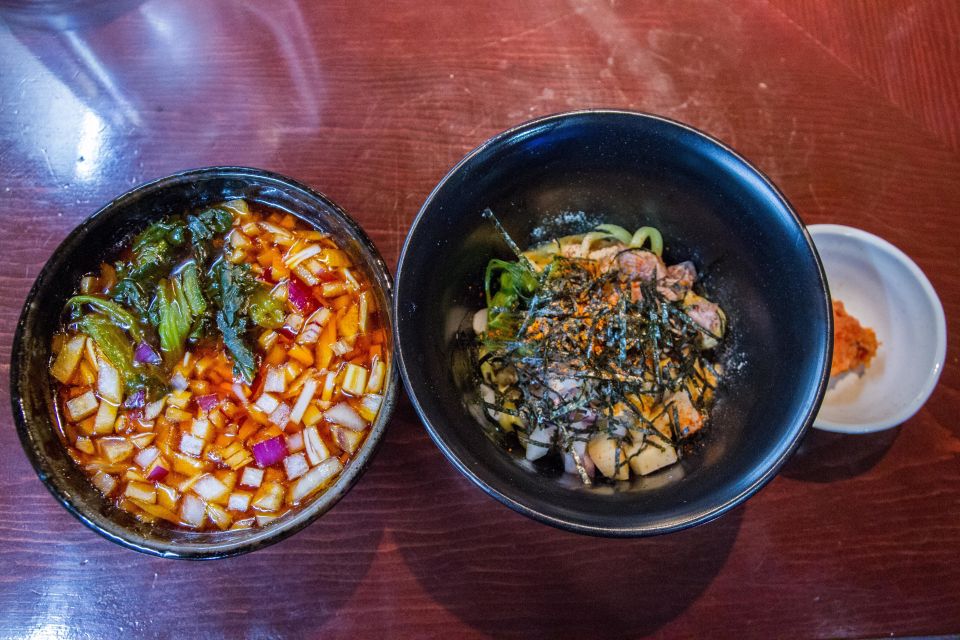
{"points": [[98, 238], [564, 174]]}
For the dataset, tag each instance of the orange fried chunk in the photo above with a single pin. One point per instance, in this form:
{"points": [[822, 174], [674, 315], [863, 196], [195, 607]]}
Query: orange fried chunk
{"points": [[853, 344]]}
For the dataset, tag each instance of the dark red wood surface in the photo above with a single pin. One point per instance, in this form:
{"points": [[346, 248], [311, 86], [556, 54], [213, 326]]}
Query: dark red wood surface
{"points": [[853, 108]]}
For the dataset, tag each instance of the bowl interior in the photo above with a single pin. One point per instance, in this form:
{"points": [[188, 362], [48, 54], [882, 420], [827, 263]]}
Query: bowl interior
{"points": [[886, 291], [82, 251], [562, 175]]}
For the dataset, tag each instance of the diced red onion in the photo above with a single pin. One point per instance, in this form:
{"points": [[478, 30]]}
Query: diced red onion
{"points": [[300, 297], [268, 274], [144, 354], [269, 451], [158, 469], [207, 402], [136, 400]]}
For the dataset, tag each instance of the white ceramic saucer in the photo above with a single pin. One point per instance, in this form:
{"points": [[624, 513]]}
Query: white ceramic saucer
{"points": [[886, 291]]}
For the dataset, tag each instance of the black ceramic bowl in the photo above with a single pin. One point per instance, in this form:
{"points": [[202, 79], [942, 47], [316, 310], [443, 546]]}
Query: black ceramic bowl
{"points": [[80, 253], [712, 207]]}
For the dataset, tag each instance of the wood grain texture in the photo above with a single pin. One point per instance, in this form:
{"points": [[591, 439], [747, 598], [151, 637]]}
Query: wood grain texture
{"points": [[851, 108]]}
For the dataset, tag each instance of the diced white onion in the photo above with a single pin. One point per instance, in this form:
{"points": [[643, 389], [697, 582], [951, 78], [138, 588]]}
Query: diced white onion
{"points": [[82, 406], [239, 501], [276, 381], [252, 477], [303, 400], [343, 414], [314, 479], [201, 429], [105, 482], [178, 382], [146, 456], [191, 445], [295, 466], [317, 451], [193, 511], [267, 403], [210, 488], [281, 415], [108, 382], [153, 409], [295, 442]]}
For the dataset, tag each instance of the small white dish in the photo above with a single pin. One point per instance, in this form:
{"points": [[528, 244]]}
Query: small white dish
{"points": [[886, 291]]}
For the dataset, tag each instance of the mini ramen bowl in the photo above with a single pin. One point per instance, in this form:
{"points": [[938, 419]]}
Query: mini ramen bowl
{"points": [[886, 291], [80, 253], [564, 174]]}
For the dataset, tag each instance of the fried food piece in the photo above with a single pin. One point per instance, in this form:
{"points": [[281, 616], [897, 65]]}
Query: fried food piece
{"points": [[853, 344]]}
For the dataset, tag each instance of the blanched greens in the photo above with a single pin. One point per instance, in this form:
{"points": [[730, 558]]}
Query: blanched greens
{"points": [[175, 288]]}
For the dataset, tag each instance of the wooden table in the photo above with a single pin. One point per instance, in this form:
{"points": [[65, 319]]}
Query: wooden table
{"points": [[853, 108]]}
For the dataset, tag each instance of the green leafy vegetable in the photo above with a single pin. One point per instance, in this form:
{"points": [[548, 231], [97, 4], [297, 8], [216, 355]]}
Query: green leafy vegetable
{"points": [[204, 227], [118, 349], [190, 279], [231, 286], [153, 254], [517, 283], [120, 316]]}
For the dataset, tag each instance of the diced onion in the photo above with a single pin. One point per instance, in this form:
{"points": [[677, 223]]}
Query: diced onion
{"points": [[281, 415], [68, 359], [317, 451], [141, 491], [116, 449], [267, 403], [152, 410], [191, 445], [295, 442], [370, 406], [109, 383], [314, 479], [303, 400], [193, 511], [269, 498], [210, 488], [146, 456], [343, 414], [354, 379], [239, 501], [104, 481], [252, 477], [295, 466], [82, 406], [276, 381], [178, 382], [269, 451]]}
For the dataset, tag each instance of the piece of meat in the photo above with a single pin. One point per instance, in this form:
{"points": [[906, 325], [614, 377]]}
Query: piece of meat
{"points": [[689, 420], [678, 280], [641, 265], [606, 257], [706, 314]]}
